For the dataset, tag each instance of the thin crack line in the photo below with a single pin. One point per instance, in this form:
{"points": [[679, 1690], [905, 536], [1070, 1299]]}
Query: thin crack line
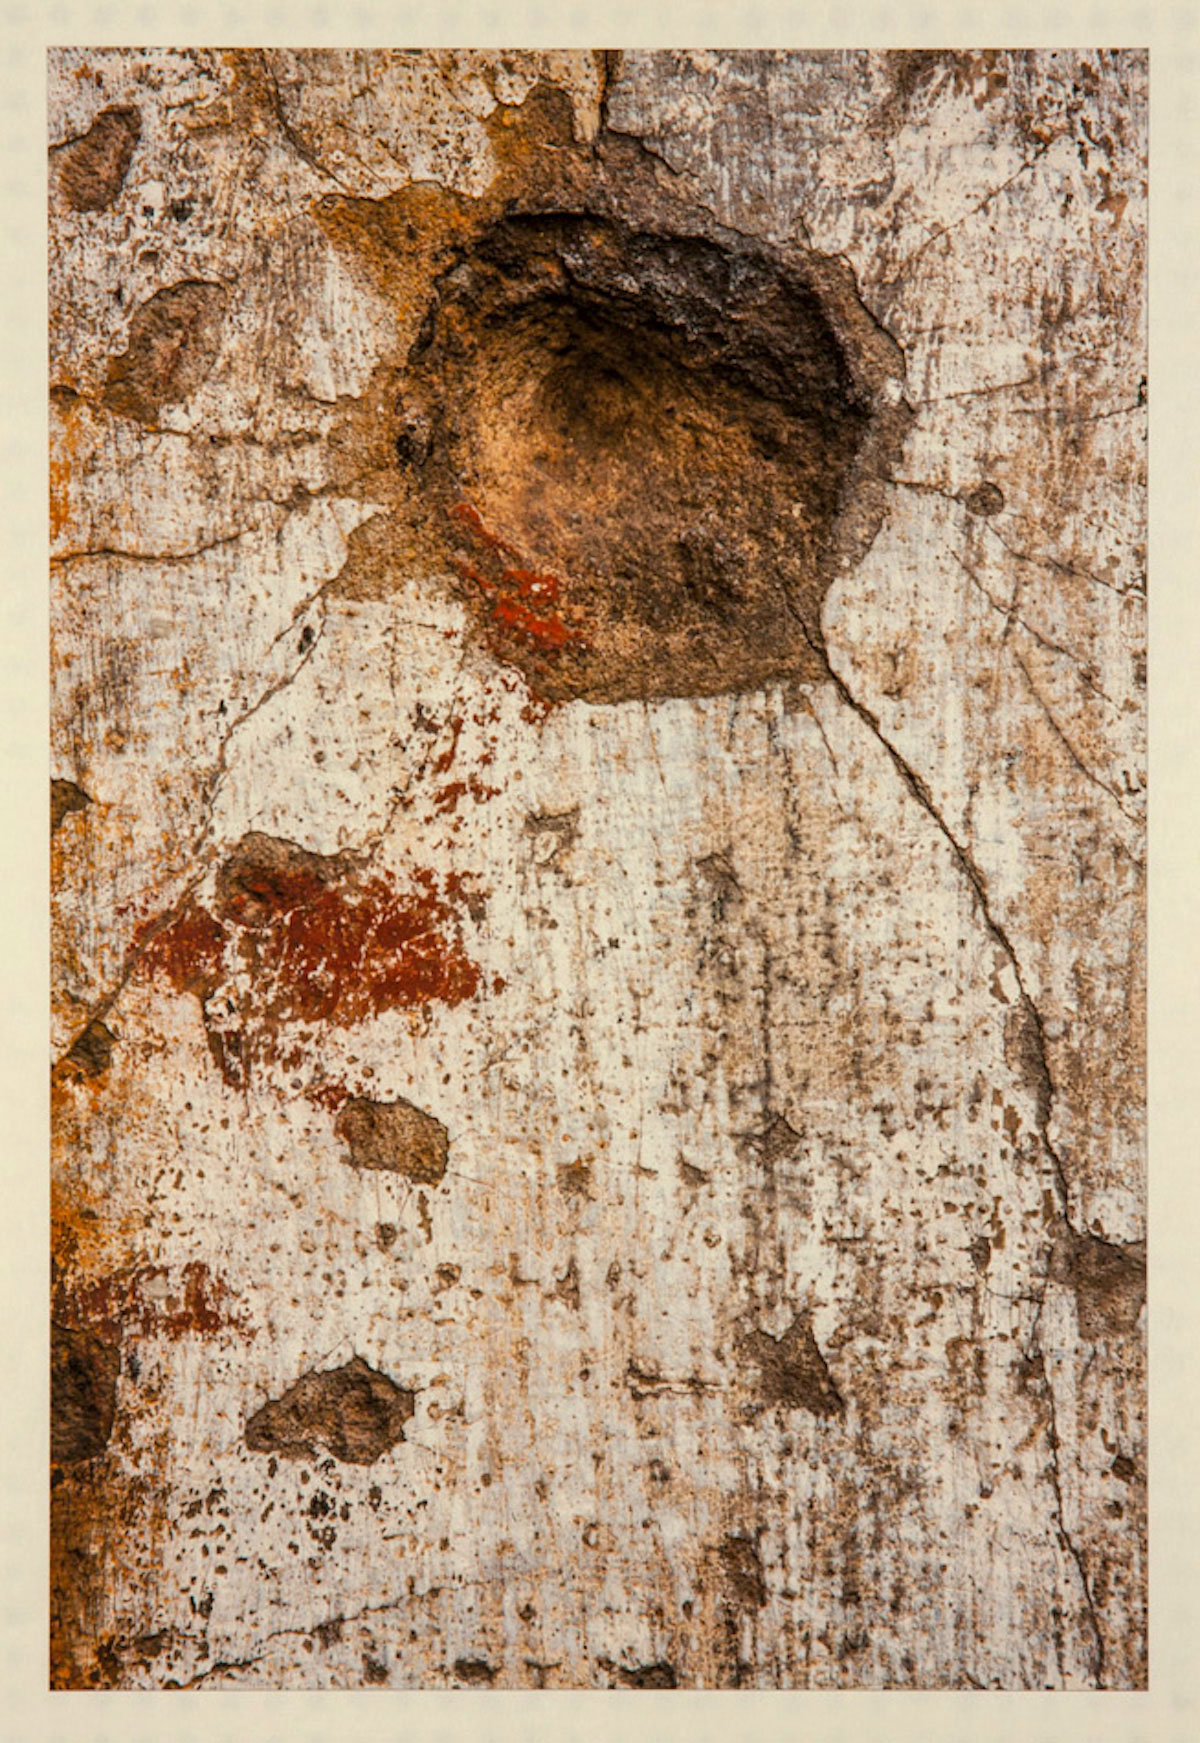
{"points": [[982, 392], [1074, 755], [890, 283], [920, 791], [1061, 568], [221, 767], [1045, 1097], [1068, 1541], [111, 551]]}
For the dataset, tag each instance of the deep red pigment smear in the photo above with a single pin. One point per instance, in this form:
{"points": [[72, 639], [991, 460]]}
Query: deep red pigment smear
{"points": [[318, 952], [520, 598]]}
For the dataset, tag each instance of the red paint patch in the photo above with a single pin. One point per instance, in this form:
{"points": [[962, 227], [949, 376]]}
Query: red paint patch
{"points": [[519, 597], [189, 950], [447, 797], [344, 955], [320, 952]]}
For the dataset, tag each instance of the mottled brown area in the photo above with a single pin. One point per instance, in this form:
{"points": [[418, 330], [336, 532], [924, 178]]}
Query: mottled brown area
{"points": [[265, 878], [65, 797], [1108, 1282], [777, 1141], [741, 1573], [173, 340], [476, 1672], [1025, 1055], [396, 1136], [353, 1413], [985, 499], [91, 1052], [792, 1372], [552, 834], [92, 169], [83, 1392]]}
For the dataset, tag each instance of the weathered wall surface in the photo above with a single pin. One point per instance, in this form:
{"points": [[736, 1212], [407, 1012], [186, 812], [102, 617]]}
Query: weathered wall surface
{"points": [[598, 869]]}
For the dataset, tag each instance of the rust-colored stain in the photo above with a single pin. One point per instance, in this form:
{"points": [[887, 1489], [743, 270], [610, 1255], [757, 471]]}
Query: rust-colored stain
{"points": [[149, 1299], [188, 951]]}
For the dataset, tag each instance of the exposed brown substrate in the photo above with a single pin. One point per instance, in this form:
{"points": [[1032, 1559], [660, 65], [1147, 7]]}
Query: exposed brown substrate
{"points": [[353, 1412]]}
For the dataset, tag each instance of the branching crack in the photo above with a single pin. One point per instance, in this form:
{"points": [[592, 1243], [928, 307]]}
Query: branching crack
{"points": [[220, 768], [133, 956], [1061, 568], [1011, 615]]}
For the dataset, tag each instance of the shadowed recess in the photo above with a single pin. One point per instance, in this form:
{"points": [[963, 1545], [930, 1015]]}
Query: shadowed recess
{"points": [[640, 445]]}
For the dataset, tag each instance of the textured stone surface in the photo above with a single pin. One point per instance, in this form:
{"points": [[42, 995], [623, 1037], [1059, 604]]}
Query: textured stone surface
{"points": [[765, 942]]}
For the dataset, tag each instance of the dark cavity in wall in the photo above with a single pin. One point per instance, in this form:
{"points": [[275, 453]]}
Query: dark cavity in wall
{"points": [[645, 444]]}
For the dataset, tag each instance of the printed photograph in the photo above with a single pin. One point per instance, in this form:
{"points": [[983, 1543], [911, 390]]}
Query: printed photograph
{"points": [[598, 751]]}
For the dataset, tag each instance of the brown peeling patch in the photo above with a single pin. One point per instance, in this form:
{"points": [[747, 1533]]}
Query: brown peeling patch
{"points": [[92, 1051], [777, 1141], [1108, 1282], [65, 797], [475, 1671], [552, 834], [566, 1288], [264, 878], [660, 1675], [173, 341], [741, 1573], [792, 1371], [574, 1180], [396, 1136], [92, 169], [985, 499], [1024, 1055], [83, 1392], [354, 1413]]}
